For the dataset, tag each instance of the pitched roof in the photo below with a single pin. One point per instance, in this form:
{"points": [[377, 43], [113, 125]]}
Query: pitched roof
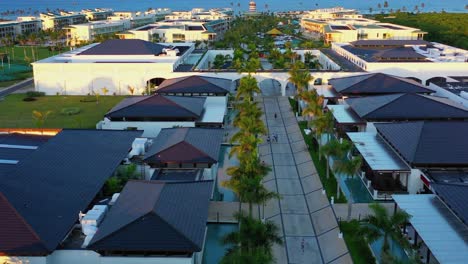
{"points": [[428, 143], [389, 42], [186, 145], [158, 106], [406, 107], [455, 196], [156, 216], [376, 83], [41, 198], [125, 47], [195, 84], [274, 31]]}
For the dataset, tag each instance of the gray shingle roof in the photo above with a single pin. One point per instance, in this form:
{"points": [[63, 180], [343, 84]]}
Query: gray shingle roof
{"points": [[406, 107], [156, 217], [455, 196], [158, 107], [389, 42], [376, 83], [125, 47], [186, 145], [48, 189], [428, 143], [195, 84]]}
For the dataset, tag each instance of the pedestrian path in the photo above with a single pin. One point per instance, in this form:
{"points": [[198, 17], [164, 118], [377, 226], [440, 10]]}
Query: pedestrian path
{"points": [[307, 222]]}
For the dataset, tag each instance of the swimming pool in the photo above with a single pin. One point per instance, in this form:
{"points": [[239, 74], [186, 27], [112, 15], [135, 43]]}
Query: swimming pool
{"points": [[396, 249], [224, 162], [193, 58], [214, 249]]}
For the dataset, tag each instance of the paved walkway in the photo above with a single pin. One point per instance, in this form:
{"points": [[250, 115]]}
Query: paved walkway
{"points": [[304, 215], [15, 87]]}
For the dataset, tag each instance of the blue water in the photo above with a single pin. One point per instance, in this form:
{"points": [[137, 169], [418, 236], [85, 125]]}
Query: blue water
{"points": [[396, 249], [225, 194], [262, 5], [214, 249]]}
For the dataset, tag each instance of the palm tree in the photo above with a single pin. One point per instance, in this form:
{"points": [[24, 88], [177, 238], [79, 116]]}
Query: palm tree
{"points": [[331, 149], [253, 242], [382, 225], [300, 79], [40, 117], [349, 167], [248, 86], [131, 89], [105, 90], [341, 164]]}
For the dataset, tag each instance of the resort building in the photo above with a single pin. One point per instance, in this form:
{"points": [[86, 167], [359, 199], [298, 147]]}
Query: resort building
{"points": [[153, 113], [122, 66], [83, 33], [397, 157], [347, 25], [201, 14], [406, 58], [56, 21], [137, 19], [438, 224], [179, 31], [20, 26], [196, 86], [97, 14]]}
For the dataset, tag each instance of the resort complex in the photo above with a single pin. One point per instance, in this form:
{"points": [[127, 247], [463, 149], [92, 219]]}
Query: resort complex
{"points": [[231, 135]]}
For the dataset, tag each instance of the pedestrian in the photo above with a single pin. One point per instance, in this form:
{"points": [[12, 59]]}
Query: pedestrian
{"points": [[276, 115], [276, 137], [268, 139], [303, 245]]}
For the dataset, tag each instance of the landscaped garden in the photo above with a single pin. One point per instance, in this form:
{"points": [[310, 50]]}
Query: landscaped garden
{"points": [[64, 111]]}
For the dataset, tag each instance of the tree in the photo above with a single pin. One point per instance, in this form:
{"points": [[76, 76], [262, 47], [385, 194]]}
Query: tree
{"points": [[131, 89], [371, 10], [341, 162], [247, 87], [40, 117], [219, 61], [382, 225], [300, 79], [331, 149], [105, 90], [253, 242], [385, 4], [349, 167]]}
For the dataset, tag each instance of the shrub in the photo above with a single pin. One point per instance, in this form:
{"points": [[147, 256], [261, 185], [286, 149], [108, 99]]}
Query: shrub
{"points": [[35, 94], [29, 99], [70, 111], [88, 99]]}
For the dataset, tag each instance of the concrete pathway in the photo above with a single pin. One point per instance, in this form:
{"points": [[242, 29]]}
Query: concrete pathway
{"points": [[15, 87], [307, 221]]}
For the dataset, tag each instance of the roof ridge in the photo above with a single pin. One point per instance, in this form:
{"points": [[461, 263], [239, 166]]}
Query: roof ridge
{"points": [[419, 139], [201, 151], [131, 97], [185, 97], [368, 76], [436, 99], [396, 96], [175, 229]]}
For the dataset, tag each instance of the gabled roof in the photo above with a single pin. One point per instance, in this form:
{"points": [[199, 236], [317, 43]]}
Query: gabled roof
{"points": [[40, 200], [406, 107], [274, 31], [428, 143], [158, 106], [125, 47], [156, 217], [195, 84], [455, 196], [186, 145], [376, 83]]}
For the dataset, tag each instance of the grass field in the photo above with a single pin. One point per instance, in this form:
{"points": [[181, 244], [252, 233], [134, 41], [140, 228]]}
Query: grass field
{"points": [[329, 184], [14, 112], [360, 252]]}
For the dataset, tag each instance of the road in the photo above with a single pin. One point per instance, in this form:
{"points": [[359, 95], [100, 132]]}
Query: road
{"points": [[307, 221], [16, 87]]}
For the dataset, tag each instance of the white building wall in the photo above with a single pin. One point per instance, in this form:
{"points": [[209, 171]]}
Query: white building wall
{"points": [[414, 181], [151, 129]]}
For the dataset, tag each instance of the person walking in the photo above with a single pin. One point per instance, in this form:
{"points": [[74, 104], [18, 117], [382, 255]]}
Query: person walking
{"points": [[276, 115]]}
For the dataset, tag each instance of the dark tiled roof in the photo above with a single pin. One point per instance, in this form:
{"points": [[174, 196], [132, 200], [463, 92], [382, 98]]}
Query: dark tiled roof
{"points": [[186, 145], [156, 217], [178, 175], [158, 106], [44, 194], [125, 47], [406, 107], [455, 196], [448, 176], [195, 84], [376, 83], [399, 54], [428, 143]]}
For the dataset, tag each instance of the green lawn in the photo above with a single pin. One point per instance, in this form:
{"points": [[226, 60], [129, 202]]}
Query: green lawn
{"points": [[329, 184], [14, 112], [16, 77], [17, 54], [357, 246]]}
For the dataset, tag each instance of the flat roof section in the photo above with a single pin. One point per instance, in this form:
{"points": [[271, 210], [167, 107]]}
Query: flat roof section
{"points": [[343, 114], [376, 152], [215, 109], [439, 228]]}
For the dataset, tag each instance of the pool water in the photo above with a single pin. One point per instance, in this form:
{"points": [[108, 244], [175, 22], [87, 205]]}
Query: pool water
{"points": [[224, 162], [396, 249], [354, 186], [214, 249], [193, 58]]}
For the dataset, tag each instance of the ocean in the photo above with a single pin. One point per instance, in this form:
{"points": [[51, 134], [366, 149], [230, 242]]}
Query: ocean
{"points": [[32, 6]]}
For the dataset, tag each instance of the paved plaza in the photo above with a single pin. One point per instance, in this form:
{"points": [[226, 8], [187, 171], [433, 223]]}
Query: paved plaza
{"points": [[307, 222]]}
